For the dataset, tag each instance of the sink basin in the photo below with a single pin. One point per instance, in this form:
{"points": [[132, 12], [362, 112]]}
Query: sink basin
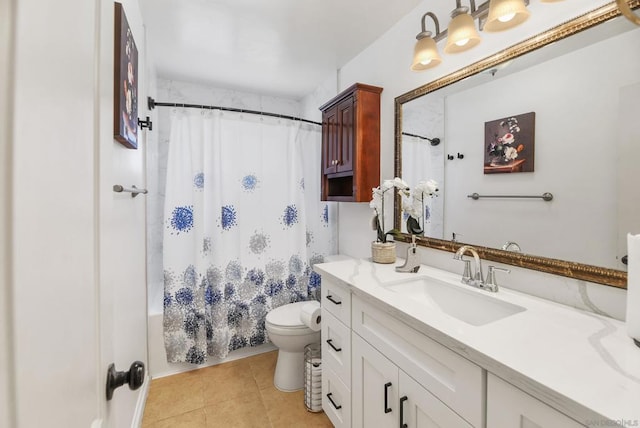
{"points": [[470, 306]]}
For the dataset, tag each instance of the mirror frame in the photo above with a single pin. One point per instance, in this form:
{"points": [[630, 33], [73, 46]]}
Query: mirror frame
{"points": [[575, 270]]}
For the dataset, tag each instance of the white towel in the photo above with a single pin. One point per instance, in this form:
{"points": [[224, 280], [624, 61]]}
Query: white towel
{"points": [[633, 286]]}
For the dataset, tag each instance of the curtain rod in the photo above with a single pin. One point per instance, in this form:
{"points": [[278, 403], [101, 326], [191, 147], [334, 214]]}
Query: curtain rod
{"points": [[151, 104]]}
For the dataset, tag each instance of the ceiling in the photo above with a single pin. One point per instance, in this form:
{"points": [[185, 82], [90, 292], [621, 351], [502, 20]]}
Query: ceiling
{"points": [[277, 47]]}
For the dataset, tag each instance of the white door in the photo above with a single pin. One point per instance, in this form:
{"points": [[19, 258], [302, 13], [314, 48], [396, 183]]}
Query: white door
{"points": [[509, 407], [123, 300], [76, 251], [420, 409], [374, 386]]}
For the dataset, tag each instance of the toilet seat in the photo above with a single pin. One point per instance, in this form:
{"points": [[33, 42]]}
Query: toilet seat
{"points": [[286, 320]]}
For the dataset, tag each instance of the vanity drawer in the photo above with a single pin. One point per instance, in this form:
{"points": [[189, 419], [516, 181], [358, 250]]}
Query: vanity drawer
{"points": [[336, 347], [456, 381], [336, 299], [336, 399]]}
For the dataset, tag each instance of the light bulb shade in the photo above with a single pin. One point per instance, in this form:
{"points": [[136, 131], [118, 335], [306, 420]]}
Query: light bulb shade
{"points": [[501, 9], [425, 54], [461, 34]]}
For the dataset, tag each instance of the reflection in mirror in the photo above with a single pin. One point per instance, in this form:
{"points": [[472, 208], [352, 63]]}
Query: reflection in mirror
{"points": [[584, 90], [423, 120]]}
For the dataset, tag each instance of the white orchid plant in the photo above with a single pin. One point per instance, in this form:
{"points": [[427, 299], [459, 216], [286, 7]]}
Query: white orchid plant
{"points": [[381, 193], [414, 205]]}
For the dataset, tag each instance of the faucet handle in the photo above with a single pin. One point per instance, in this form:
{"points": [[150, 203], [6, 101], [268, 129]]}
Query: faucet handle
{"points": [[466, 275], [490, 283]]}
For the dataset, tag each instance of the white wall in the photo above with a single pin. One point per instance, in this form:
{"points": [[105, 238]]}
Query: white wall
{"points": [[386, 63]]}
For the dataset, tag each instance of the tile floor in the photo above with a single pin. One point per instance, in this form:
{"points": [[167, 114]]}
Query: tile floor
{"points": [[235, 394]]}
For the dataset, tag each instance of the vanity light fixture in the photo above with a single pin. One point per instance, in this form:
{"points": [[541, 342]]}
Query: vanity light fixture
{"points": [[425, 53], [462, 34], [505, 14]]}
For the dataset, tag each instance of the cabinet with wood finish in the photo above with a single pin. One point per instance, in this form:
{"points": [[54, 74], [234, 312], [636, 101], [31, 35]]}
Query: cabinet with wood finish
{"points": [[351, 144]]}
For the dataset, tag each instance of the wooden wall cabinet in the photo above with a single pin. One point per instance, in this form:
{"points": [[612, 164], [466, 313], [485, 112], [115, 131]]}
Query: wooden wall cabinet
{"points": [[351, 144]]}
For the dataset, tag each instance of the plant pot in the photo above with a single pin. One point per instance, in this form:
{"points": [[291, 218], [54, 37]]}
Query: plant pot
{"points": [[383, 252]]}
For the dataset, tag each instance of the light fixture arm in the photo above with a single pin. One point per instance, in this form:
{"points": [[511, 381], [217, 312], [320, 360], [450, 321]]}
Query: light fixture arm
{"points": [[424, 33], [625, 9], [472, 3]]}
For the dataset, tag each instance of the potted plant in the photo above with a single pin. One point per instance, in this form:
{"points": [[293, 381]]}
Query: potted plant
{"points": [[383, 250]]}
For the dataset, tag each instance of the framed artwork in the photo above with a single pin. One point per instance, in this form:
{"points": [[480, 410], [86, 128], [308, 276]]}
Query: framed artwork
{"points": [[125, 102], [510, 144]]}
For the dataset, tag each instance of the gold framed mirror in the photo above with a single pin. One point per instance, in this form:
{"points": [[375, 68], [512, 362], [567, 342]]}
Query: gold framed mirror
{"points": [[553, 265]]}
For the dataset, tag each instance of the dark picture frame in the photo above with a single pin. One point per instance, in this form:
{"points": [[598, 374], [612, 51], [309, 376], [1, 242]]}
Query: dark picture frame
{"points": [[510, 144], [125, 88]]}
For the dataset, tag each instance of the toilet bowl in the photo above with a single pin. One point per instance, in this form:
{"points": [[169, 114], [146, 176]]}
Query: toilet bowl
{"points": [[290, 335]]}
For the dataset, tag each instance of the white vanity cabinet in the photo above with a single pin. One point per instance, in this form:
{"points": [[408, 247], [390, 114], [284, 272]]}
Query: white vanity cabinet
{"points": [[509, 407], [453, 380], [380, 346], [383, 395], [336, 352]]}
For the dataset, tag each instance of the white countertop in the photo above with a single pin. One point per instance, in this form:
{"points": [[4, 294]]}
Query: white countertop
{"points": [[583, 364]]}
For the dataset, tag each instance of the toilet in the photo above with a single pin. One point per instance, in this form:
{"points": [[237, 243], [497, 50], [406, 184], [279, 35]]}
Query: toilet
{"points": [[290, 335]]}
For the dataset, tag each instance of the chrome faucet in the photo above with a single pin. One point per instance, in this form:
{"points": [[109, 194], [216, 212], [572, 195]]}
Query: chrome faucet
{"points": [[476, 280], [412, 263]]}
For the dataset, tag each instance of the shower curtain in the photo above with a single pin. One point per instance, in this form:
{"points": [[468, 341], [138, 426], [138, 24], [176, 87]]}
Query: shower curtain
{"points": [[243, 226]]}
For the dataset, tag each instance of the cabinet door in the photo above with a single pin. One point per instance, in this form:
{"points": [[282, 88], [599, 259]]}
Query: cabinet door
{"points": [[509, 407], [374, 387], [330, 144], [418, 408], [346, 117]]}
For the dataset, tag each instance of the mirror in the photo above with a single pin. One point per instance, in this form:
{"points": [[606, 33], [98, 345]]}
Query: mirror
{"points": [[584, 90]]}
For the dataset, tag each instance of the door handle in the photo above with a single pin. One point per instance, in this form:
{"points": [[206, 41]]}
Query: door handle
{"points": [[387, 409], [330, 343], [332, 300], [402, 400], [134, 377], [337, 406]]}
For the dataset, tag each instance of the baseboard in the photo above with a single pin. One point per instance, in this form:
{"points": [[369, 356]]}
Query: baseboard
{"points": [[138, 412], [176, 368]]}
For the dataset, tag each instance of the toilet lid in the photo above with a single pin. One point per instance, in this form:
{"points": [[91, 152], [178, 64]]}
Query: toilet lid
{"points": [[287, 315]]}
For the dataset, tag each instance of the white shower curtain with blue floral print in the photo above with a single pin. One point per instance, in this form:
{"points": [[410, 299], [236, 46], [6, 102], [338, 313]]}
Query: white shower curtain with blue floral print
{"points": [[242, 228]]}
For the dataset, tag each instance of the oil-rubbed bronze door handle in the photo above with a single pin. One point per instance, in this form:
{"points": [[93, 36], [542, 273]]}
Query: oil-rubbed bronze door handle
{"points": [[330, 343], [402, 400], [337, 406], [335, 302], [387, 409]]}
